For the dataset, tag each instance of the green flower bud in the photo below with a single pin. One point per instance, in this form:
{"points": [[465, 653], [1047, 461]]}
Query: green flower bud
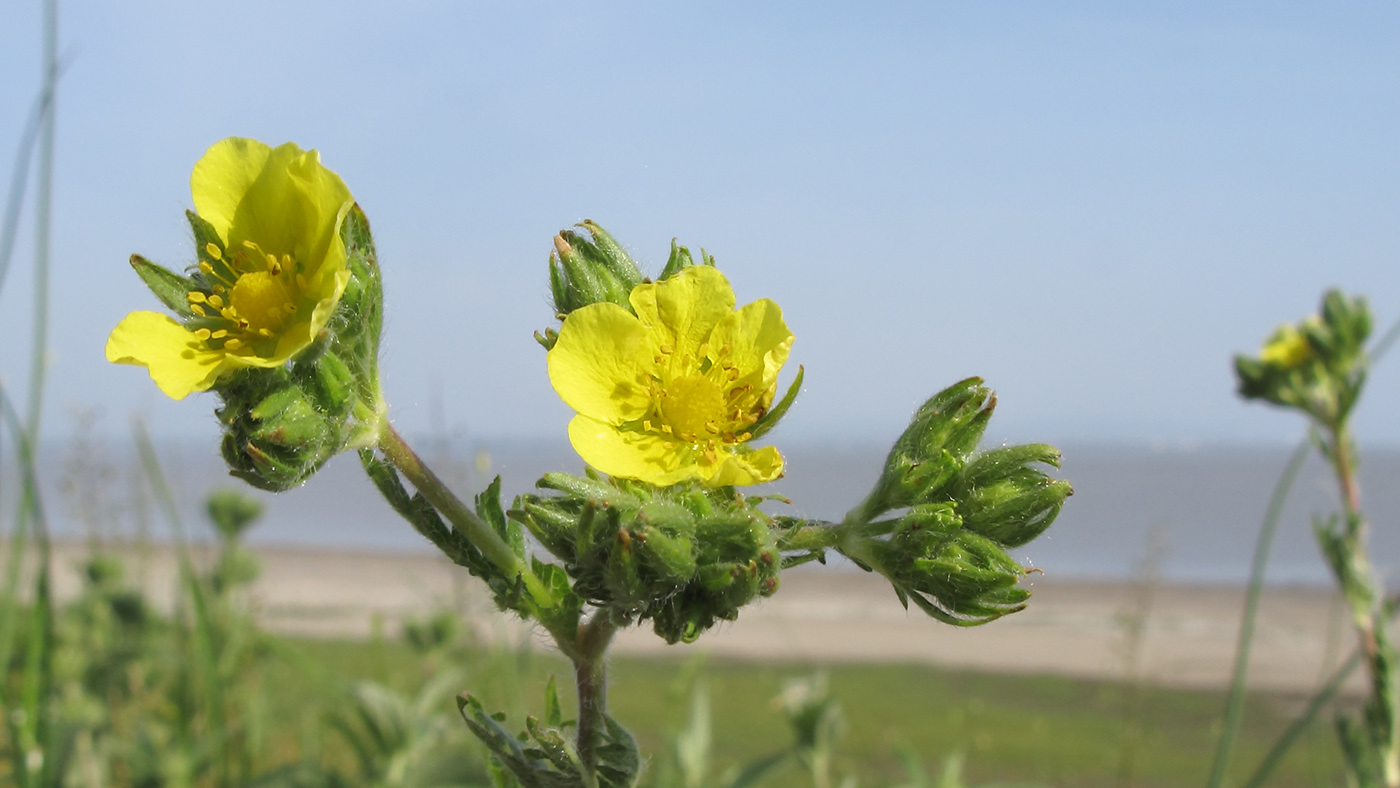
{"points": [[589, 269], [1002, 497], [933, 448], [232, 512]]}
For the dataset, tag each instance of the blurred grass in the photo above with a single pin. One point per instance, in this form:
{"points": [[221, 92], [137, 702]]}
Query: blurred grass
{"points": [[1038, 729]]}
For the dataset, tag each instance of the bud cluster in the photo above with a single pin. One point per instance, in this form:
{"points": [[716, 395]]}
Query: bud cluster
{"points": [[940, 520], [1317, 366], [683, 556]]}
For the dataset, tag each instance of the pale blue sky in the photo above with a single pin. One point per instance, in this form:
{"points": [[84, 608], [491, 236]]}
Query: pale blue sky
{"points": [[1093, 205]]}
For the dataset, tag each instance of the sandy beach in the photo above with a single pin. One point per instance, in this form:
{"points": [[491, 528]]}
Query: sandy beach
{"points": [[823, 614]]}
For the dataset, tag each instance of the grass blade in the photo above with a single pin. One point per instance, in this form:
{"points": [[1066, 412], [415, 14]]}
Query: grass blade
{"points": [[1234, 705], [205, 647], [30, 733]]}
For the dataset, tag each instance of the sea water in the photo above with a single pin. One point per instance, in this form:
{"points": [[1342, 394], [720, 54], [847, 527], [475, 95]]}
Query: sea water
{"points": [[1185, 514]]}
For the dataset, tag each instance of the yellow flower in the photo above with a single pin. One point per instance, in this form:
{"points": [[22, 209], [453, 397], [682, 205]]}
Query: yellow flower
{"points": [[265, 291], [669, 393], [1287, 348]]}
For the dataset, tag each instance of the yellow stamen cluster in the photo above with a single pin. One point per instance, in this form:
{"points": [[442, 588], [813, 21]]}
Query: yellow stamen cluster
{"points": [[250, 295], [704, 409]]}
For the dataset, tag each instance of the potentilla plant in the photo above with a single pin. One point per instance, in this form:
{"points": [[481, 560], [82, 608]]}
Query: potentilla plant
{"points": [[1318, 367], [673, 385]]}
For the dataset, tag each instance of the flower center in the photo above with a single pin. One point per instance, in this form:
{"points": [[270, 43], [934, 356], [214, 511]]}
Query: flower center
{"points": [[693, 407], [261, 299], [249, 296]]}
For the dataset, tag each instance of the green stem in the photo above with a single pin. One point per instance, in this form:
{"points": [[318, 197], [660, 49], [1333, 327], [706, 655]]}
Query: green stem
{"points": [[590, 672], [398, 452], [1369, 619], [1234, 706], [811, 535], [1315, 706]]}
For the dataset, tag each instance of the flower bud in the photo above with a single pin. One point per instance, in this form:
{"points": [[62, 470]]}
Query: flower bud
{"points": [[590, 269], [933, 448], [232, 512], [1001, 496]]}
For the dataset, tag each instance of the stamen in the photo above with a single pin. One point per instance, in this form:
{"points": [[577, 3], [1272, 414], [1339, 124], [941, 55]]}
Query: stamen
{"points": [[233, 344], [195, 297], [206, 268], [202, 334], [733, 374], [216, 301], [227, 313], [197, 309], [213, 250], [220, 334], [220, 289], [667, 349], [301, 281], [265, 332], [249, 245]]}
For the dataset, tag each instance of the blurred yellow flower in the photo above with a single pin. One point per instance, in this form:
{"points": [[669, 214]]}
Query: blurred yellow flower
{"points": [[1287, 348], [265, 291], [669, 393]]}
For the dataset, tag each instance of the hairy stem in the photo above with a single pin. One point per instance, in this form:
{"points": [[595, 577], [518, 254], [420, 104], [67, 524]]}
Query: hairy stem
{"points": [[590, 671], [1366, 609], [398, 452]]}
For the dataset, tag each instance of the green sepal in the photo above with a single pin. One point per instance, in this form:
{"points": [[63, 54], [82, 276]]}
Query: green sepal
{"points": [[169, 287], [775, 414], [204, 235]]}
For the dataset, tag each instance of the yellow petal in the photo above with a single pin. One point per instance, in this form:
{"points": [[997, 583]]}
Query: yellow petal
{"points": [[600, 363], [758, 341], [683, 310], [755, 467], [178, 362], [648, 456], [281, 198], [222, 178]]}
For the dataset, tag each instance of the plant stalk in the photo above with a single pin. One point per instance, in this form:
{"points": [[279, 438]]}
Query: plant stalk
{"points": [[398, 452], [1369, 620], [590, 671]]}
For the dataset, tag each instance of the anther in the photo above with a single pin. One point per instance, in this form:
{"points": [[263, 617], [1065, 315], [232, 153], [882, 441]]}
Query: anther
{"points": [[195, 297], [213, 250], [265, 332], [733, 373], [202, 334], [220, 334], [233, 344], [216, 302], [290, 308], [206, 268], [250, 245], [197, 309]]}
